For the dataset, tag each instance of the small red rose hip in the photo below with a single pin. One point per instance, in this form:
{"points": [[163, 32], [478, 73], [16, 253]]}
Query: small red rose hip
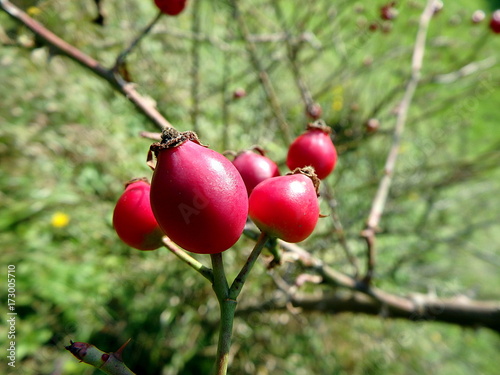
{"points": [[287, 206], [239, 93], [171, 7], [255, 167], [198, 197], [313, 148], [495, 22], [372, 125], [314, 111], [133, 218], [388, 11]]}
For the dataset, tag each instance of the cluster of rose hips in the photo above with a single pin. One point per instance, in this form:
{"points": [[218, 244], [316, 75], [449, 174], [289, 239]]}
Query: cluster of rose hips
{"points": [[201, 200], [388, 12]]}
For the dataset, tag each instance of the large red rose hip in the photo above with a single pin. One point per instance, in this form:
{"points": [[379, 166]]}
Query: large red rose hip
{"points": [[133, 218], [255, 167], [197, 195], [286, 207], [313, 148]]}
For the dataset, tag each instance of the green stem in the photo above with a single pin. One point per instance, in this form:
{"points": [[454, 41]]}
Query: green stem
{"points": [[227, 309], [238, 282], [109, 363], [227, 300], [188, 259]]}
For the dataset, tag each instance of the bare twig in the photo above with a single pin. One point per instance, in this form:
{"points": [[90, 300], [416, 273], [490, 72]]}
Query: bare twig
{"points": [[382, 193], [466, 70], [150, 135], [59, 46], [339, 229], [121, 58], [419, 308], [370, 300]]}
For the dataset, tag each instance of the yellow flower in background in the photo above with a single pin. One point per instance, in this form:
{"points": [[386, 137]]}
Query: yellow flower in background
{"points": [[338, 98], [59, 220], [33, 11]]}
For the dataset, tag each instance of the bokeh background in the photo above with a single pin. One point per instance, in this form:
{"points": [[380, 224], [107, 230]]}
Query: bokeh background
{"points": [[68, 142]]}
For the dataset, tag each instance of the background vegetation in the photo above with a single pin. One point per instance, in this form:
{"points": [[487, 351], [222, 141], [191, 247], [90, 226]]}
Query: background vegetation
{"points": [[68, 142]]}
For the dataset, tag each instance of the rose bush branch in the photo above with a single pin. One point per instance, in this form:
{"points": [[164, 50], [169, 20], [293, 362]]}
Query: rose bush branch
{"points": [[59, 46], [379, 201], [420, 308], [366, 299]]}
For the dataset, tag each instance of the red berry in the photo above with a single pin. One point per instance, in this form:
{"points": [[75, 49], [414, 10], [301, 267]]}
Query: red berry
{"points": [[286, 207], [495, 22], [372, 125], [255, 167], [314, 111], [197, 195], [239, 93], [133, 218], [171, 7], [388, 12], [314, 148]]}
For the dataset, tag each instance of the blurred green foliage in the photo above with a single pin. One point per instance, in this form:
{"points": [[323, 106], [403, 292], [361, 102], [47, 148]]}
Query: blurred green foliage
{"points": [[68, 142]]}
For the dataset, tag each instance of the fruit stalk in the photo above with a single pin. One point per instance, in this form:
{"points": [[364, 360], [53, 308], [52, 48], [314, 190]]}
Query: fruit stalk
{"points": [[227, 300], [227, 309], [188, 259]]}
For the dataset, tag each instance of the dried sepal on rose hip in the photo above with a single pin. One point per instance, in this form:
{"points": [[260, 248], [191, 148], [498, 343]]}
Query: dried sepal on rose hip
{"points": [[198, 197], [133, 218], [313, 148], [171, 7], [254, 167], [287, 207]]}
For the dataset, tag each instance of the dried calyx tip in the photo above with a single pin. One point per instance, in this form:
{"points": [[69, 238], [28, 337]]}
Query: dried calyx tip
{"points": [[309, 172], [258, 150], [137, 179], [319, 125], [171, 137]]}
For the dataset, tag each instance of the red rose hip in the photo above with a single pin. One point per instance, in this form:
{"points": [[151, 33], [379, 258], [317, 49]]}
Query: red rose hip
{"points": [[313, 148], [495, 22], [133, 218], [171, 7], [198, 197], [255, 167], [286, 207]]}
